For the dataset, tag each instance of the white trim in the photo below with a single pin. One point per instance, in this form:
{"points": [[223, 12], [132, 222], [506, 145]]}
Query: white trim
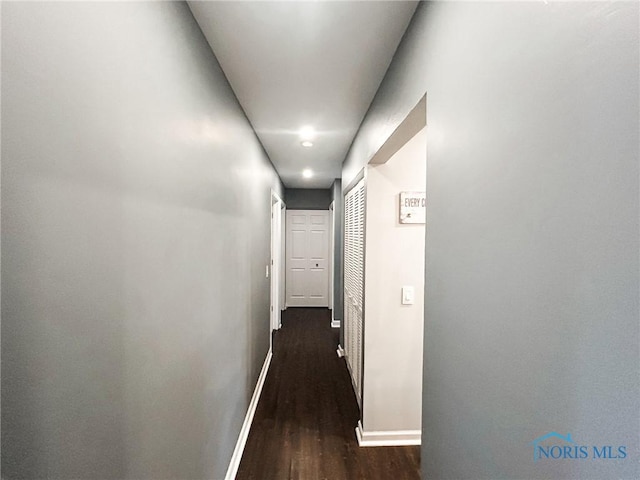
{"points": [[273, 192], [283, 257], [332, 221], [232, 470], [334, 323], [387, 439], [340, 351], [275, 263]]}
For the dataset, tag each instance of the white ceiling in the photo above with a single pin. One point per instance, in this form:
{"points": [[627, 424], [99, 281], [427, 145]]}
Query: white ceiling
{"points": [[293, 64]]}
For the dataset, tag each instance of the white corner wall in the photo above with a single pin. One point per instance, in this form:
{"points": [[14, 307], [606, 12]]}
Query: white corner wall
{"points": [[135, 234], [392, 390], [532, 251]]}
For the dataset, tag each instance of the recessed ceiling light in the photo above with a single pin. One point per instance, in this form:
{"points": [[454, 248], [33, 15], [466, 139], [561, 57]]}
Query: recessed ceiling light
{"points": [[307, 143], [307, 133], [307, 173]]}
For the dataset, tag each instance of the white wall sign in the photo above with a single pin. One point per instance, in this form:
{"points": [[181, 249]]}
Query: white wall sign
{"points": [[413, 207]]}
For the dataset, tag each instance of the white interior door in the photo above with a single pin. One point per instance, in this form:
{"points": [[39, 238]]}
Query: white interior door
{"points": [[307, 252]]}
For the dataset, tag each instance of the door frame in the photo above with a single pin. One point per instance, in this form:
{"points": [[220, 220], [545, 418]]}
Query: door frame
{"points": [[275, 268], [283, 258], [331, 255]]}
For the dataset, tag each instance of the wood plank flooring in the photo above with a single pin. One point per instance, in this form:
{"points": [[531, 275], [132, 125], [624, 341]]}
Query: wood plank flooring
{"points": [[304, 425]]}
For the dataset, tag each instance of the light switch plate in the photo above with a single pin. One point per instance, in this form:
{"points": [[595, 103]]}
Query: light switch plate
{"points": [[408, 295]]}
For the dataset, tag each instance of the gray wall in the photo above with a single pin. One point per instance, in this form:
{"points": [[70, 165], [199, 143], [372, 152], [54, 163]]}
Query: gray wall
{"points": [[532, 230], [307, 198], [338, 263], [135, 223]]}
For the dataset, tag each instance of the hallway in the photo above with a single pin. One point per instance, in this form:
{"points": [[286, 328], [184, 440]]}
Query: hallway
{"points": [[305, 420], [150, 154]]}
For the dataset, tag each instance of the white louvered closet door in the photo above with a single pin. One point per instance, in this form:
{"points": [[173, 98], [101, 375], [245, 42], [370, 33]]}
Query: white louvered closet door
{"points": [[353, 283]]}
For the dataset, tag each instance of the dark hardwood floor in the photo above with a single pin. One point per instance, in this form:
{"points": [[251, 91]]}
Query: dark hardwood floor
{"points": [[304, 424]]}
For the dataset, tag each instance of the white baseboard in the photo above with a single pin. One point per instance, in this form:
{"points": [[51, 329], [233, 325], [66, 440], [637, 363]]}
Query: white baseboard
{"points": [[232, 470], [334, 323], [387, 439], [340, 351]]}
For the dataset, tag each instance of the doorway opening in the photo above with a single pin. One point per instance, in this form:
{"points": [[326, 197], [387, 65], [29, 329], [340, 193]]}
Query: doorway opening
{"points": [[384, 238]]}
